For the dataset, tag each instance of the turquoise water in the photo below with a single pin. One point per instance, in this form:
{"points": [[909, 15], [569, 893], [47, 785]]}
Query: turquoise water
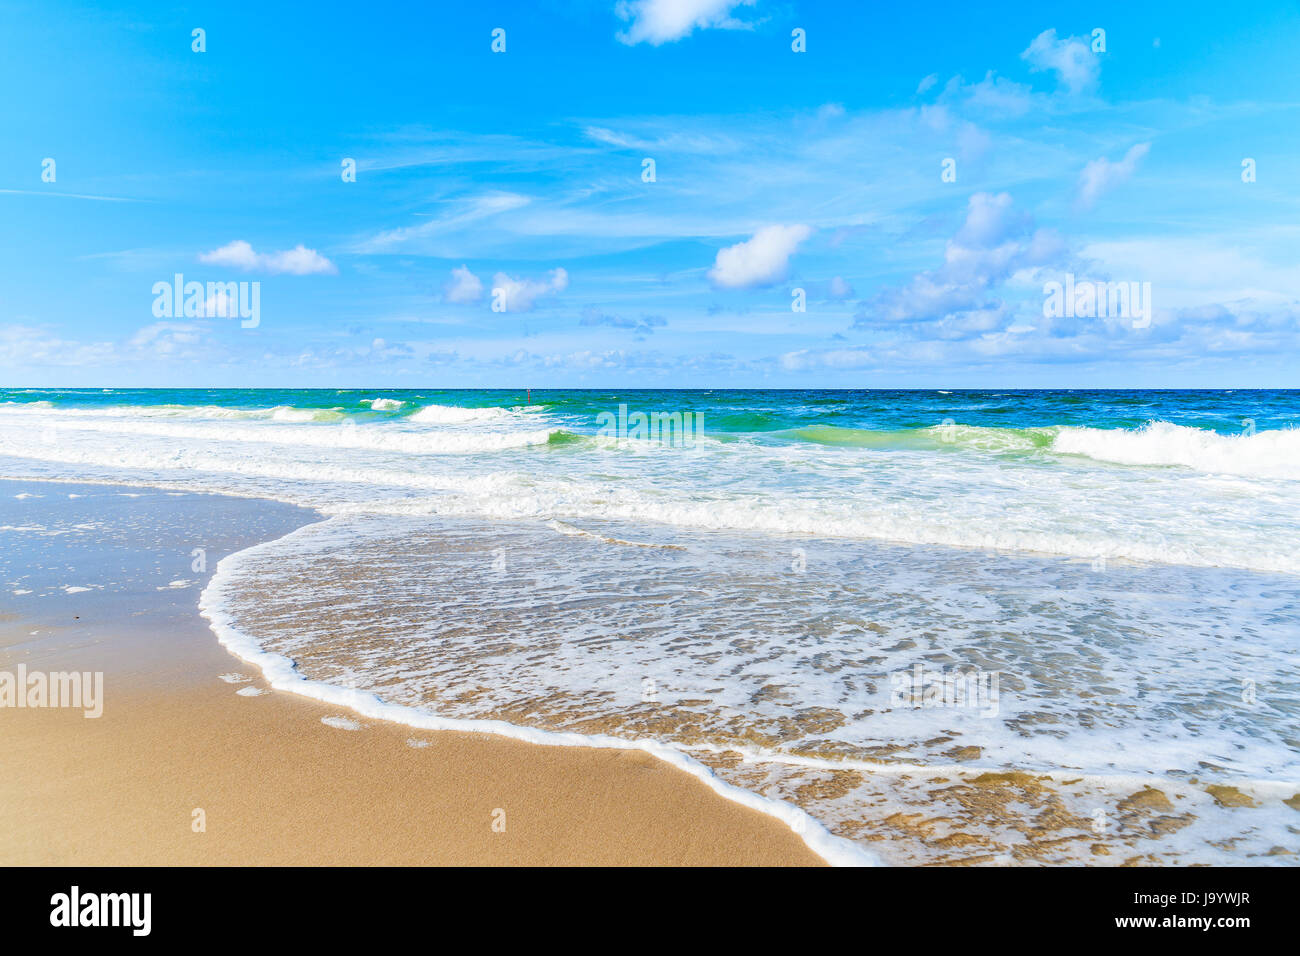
{"points": [[855, 602], [762, 411]]}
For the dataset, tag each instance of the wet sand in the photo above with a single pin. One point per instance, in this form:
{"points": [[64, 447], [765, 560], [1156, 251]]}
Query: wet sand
{"points": [[183, 768]]}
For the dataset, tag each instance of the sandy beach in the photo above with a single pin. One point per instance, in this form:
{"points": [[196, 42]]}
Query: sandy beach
{"points": [[194, 761]]}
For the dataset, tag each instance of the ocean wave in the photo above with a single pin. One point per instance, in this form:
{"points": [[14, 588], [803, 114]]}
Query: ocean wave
{"points": [[344, 435], [1087, 516], [512, 496], [287, 413], [936, 437], [573, 531], [455, 415], [1267, 454], [280, 413], [1205, 499]]}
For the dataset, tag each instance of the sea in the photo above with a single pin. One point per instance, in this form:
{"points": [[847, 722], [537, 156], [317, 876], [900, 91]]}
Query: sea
{"points": [[970, 627]]}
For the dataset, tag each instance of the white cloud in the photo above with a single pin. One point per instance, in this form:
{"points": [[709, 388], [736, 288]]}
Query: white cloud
{"points": [[926, 83], [167, 339], [995, 94], [973, 143], [1101, 175], [298, 261], [662, 21], [219, 305], [762, 260], [989, 221], [840, 289], [521, 294], [1199, 270], [993, 243], [25, 346], [386, 350], [238, 254], [846, 358], [464, 286], [829, 173], [613, 358], [1071, 59]]}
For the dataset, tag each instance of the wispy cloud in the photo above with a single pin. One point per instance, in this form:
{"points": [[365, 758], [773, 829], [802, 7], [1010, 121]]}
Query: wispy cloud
{"points": [[642, 325], [855, 357], [24, 346], [1101, 175], [467, 213], [167, 339], [59, 195]]}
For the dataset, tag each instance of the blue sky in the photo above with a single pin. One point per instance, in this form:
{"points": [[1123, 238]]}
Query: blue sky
{"points": [[516, 179]]}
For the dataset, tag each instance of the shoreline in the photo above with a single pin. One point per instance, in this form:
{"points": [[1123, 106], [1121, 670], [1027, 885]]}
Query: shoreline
{"points": [[281, 778], [282, 675], [953, 813]]}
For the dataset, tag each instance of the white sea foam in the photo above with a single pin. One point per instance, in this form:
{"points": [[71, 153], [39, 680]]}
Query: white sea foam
{"points": [[455, 415], [341, 436], [973, 496], [340, 722], [1267, 454], [742, 649], [284, 413], [1141, 512], [282, 674]]}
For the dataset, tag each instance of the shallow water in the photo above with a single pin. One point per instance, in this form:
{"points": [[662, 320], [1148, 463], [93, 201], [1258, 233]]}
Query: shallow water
{"points": [[976, 627]]}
